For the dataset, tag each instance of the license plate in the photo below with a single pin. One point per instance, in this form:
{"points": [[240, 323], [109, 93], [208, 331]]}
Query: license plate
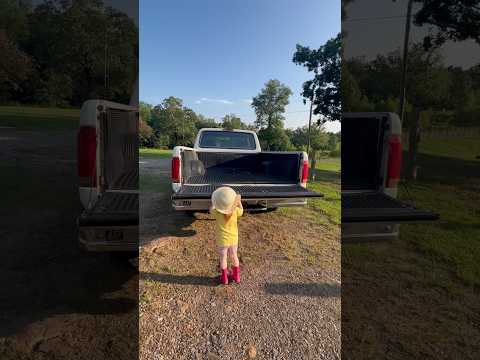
{"points": [[114, 235]]}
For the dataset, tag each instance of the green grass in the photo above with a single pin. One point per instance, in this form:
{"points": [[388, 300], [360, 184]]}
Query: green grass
{"points": [[451, 147], [448, 186], [28, 117], [324, 210], [155, 153], [154, 183], [327, 182], [455, 238]]}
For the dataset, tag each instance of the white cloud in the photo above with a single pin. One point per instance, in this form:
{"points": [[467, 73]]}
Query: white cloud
{"points": [[209, 100], [248, 101]]}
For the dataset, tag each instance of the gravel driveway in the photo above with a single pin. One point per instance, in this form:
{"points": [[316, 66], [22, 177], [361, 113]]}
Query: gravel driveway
{"points": [[287, 306], [56, 301]]}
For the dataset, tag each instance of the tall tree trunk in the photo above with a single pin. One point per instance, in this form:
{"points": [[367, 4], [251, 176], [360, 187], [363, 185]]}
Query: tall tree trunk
{"points": [[313, 163], [413, 142]]}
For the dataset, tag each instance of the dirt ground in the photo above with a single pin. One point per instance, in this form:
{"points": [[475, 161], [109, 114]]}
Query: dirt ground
{"points": [[286, 307], [56, 302]]}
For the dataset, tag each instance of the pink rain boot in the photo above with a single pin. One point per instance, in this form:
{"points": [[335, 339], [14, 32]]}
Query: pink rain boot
{"points": [[224, 277], [236, 274]]}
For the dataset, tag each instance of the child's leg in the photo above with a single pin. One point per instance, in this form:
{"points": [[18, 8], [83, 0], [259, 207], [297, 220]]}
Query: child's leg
{"points": [[222, 252], [233, 255]]}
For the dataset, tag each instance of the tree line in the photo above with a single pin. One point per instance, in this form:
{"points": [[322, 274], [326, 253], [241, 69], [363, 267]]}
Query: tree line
{"points": [[171, 123], [63, 52]]}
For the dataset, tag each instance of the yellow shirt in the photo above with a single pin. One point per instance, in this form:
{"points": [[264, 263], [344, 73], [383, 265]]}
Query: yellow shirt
{"points": [[226, 230]]}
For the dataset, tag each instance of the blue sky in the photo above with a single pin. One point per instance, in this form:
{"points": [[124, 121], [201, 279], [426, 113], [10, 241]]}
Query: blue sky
{"points": [[217, 54]]}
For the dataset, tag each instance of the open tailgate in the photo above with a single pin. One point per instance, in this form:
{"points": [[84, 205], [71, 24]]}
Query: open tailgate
{"points": [[247, 191], [112, 209], [379, 207]]}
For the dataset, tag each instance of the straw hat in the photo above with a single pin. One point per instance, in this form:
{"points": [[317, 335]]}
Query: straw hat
{"points": [[223, 199]]}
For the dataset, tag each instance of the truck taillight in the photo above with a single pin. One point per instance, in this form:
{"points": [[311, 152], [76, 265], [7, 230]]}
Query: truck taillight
{"points": [[176, 170], [394, 160], [86, 155], [305, 172]]}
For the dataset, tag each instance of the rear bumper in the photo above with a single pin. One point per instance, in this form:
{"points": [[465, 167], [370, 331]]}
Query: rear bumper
{"points": [[108, 238], [253, 204]]}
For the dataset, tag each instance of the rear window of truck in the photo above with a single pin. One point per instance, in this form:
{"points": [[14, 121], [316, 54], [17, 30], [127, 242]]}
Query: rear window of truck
{"points": [[227, 140]]}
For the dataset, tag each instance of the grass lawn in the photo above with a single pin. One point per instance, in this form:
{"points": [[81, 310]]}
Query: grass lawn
{"points": [[155, 153], [455, 238], [451, 147], [324, 210], [418, 294], [153, 180], [28, 117]]}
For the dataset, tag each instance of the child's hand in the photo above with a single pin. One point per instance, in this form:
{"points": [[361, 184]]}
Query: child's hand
{"points": [[239, 200]]}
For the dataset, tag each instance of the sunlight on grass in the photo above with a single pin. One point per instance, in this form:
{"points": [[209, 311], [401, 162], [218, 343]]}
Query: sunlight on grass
{"points": [[459, 148], [326, 209], [155, 153], [28, 117]]}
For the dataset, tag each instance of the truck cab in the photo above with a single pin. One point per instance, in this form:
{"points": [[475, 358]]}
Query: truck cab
{"points": [[371, 169], [265, 179]]}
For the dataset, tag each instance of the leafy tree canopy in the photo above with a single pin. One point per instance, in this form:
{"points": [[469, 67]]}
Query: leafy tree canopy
{"points": [[324, 88], [270, 103]]}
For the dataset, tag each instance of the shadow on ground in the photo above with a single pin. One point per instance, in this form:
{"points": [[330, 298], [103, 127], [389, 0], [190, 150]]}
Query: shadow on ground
{"points": [[298, 289], [180, 279], [43, 271], [158, 220]]}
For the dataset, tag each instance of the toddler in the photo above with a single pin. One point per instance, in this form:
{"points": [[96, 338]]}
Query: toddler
{"points": [[227, 208]]}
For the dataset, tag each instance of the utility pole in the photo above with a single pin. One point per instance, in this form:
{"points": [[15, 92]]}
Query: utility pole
{"points": [[309, 126], [405, 61]]}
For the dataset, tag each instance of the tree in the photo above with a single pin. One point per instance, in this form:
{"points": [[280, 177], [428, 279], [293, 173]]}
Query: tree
{"points": [[318, 141], [78, 41], [454, 20], [145, 133], [269, 106], [173, 123], [231, 122], [15, 67], [428, 88], [145, 110], [204, 122], [324, 89], [274, 139]]}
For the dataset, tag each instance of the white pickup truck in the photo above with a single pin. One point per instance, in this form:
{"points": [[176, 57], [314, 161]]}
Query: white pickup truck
{"points": [[108, 177], [371, 167], [266, 180]]}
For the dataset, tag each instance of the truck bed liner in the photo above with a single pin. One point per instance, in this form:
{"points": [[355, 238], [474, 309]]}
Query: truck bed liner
{"points": [[247, 191], [112, 208], [379, 207], [224, 177]]}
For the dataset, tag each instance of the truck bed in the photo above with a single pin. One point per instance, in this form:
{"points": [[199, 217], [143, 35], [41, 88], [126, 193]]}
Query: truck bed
{"points": [[112, 209], [224, 176], [209, 168]]}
